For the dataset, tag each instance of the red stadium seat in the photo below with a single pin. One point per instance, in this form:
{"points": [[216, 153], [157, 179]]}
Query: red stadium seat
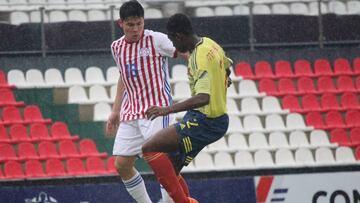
{"points": [[283, 69], [263, 70], [34, 169], [13, 170], [342, 67], [340, 137], [27, 151], [315, 119], [68, 149], [357, 83], [47, 150], [1, 174], [345, 84], [355, 136], [75, 167], [326, 84], [18, 133], [329, 102], [60, 131], [88, 148], [39, 132], [111, 165], [3, 81], [292, 103], [32, 114], [334, 120], [4, 138], [286, 86], [306, 86], [356, 65], [310, 103], [7, 98], [268, 86], [95, 165], [55, 168], [350, 101], [322, 67], [352, 118], [357, 153], [7, 153], [244, 69], [303, 68], [11, 115]]}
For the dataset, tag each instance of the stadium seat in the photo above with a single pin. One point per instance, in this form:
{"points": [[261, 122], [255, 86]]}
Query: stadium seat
{"points": [[310, 103], [342, 67], [278, 140], [55, 168], [352, 118], [68, 149], [60, 131], [302, 68], [334, 119], [284, 158], [237, 141], [34, 169], [27, 151], [39, 132], [98, 93], [94, 76], [7, 98], [179, 72], [244, 70], [7, 153], [263, 159], [111, 165], [17, 77], [3, 81], [355, 136], [326, 84], [19, 17], [241, 10], [340, 137], [283, 69], [329, 102], [304, 156], [77, 94], [306, 86], [320, 138], [322, 67], [75, 167], [344, 155], [299, 8], [113, 90], [315, 120], [204, 161], [314, 8], [298, 139], [112, 74], [11, 115], [252, 123], [223, 11], [263, 70], [345, 84], [357, 83], [77, 15], [295, 121], [261, 9], [235, 124], [337, 7], [280, 8], [18, 133], [34, 78], [181, 91], [35, 17], [32, 114], [232, 107], [153, 13], [204, 12], [219, 145], [244, 160], [324, 156], [350, 101], [356, 65], [258, 141], [353, 7], [269, 87], [73, 76], [102, 111], [223, 161], [87, 147], [54, 78], [247, 88], [96, 15], [286, 86], [250, 105], [291, 103], [47, 150], [4, 137], [271, 105], [95, 166], [274, 122], [13, 170]]}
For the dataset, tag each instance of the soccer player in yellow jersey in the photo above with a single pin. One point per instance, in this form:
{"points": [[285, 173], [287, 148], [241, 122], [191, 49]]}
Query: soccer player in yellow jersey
{"points": [[206, 120]]}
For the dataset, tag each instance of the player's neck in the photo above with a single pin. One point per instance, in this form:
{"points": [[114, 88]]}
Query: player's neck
{"points": [[195, 41]]}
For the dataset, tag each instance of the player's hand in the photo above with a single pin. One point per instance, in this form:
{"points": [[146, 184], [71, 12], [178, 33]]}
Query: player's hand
{"points": [[155, 111], [112, 123]]}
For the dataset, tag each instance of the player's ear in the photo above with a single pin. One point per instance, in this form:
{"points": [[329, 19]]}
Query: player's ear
{"points": [[120, 22]]}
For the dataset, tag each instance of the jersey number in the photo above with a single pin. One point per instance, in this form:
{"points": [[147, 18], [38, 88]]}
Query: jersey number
{"points": [[131, 70]]}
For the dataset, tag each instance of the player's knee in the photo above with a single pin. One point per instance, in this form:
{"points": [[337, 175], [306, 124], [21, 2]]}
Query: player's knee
{"points": [[122, 167], [146, 148]]}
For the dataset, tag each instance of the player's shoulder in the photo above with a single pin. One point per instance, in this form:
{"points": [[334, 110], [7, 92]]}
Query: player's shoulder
{"points": [[153, 33], [116, 42]]}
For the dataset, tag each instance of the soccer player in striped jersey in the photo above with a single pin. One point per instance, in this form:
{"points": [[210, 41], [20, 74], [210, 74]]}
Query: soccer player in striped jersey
{"points": [[141, 56], [205, 120]]}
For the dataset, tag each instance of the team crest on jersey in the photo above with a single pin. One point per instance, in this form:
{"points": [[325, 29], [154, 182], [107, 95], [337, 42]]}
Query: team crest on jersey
{"points": [[144, 51]]}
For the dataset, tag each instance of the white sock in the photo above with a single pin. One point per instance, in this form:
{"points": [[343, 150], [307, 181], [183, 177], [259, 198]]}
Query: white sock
{"points": [[165, 196], [136, 188]]}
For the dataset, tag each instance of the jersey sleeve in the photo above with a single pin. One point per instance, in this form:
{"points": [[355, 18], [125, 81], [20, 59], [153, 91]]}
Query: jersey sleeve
{"points": [[202, 79], [164, 45]]}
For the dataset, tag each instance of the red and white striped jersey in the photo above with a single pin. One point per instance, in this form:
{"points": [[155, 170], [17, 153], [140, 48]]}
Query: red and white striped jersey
{"points": [[144, 70]]}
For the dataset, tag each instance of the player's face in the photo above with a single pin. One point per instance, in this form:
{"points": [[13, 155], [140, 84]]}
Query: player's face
{"points": [[133, 28], [178, 42]]}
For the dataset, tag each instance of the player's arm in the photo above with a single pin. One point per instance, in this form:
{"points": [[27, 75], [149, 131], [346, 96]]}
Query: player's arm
{"points": [[114, 118]]}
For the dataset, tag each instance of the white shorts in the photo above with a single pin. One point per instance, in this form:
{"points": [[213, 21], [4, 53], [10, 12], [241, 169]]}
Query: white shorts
{"points": [[131, 135]]}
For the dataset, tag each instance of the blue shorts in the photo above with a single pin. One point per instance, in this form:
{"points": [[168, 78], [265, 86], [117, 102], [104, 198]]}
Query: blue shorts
{"points": [[197, 131]]}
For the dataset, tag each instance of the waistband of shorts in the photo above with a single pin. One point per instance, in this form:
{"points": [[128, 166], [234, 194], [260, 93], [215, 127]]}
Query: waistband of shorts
{"points": [[205, 116]]}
